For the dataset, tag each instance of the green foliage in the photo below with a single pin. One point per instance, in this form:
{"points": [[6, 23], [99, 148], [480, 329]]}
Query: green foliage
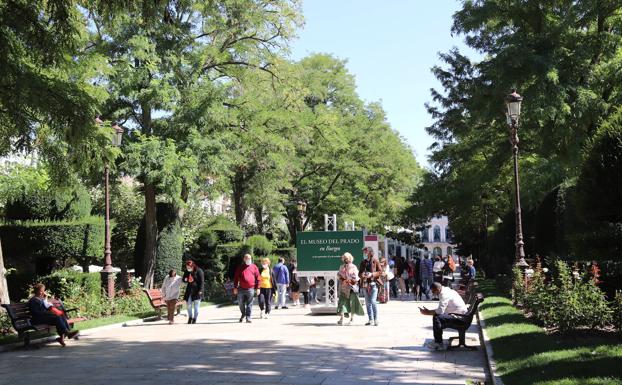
{"points": [[518, 286], [288, 253], [616, 311], [5, 323], [261, 245], [78, 290], [170, 251], [82, 240]]}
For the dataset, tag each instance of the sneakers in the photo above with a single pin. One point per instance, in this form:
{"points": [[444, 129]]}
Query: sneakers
{"points": [[241, 319], [261, 314], [248, 321], [340, 322], [435, 346], [284, 307], [369, 323], [375, 322], [265, 316], [276, 308]]}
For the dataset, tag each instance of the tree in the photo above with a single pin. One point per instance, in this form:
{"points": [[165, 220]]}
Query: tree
{"points": [[563, 57], [161, 54]]}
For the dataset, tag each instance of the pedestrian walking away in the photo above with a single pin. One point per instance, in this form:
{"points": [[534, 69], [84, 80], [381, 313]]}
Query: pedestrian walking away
{"points": [[267, 284], [349, 302], [370, 273], [294, 284], [427, 276], [171, 287], [195, 280], [281, 276], [246, 286]]}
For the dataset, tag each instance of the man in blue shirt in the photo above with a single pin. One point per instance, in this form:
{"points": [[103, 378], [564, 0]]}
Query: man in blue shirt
{"points": [[281, 276]]}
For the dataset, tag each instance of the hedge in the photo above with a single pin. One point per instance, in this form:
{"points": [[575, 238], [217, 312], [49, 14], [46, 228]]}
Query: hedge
{"points": [[169, 251], [261, 245], [288, 253], [46, 204], [80, 239]]}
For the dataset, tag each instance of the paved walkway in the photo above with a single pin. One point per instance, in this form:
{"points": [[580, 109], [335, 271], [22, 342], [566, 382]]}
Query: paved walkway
{"points": [[292, 347]]}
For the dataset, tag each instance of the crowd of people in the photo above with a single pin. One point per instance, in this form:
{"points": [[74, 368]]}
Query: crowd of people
{"points": [[375, 278]]}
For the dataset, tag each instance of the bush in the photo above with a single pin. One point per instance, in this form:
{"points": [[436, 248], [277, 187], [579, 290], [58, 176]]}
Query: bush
{"points": [[288, 253], [5, 323], [518, 286], [81, 239], [616, 309], [261, 245], [78, 290], [169, 252], [50, 204]]}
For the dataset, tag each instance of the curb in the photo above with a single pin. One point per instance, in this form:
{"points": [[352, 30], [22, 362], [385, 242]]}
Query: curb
{"points": [[490, 361], [86, 332]]}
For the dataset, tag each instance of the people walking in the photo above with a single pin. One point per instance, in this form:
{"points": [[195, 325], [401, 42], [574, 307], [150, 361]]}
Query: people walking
{"points": [[313, 290], [387, 276], [427, 276], [348, 303], [437, 269], [195, 280], [267, 284], [370, 273], [393, 282], [417, 279], [170, 294], [246, 286], [304, 285], [281, 276]]}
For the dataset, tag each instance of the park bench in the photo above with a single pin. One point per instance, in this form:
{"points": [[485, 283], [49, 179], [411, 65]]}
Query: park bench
{"points": [[157, 302], [21, 319], [468, 317]]}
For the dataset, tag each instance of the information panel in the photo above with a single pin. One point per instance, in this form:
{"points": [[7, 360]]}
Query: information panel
{"points": [[322, 250]]}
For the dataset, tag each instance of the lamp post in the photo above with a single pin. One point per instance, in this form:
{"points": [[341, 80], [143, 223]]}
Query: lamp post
{"points": [[107, 272], [513, 103]]}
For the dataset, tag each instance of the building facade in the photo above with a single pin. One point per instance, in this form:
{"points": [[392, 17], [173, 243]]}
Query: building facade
{"points": [[437, 238]]}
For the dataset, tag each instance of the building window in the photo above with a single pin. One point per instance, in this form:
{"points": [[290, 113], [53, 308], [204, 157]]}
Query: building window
{"points": [[437, 233], [450, 251], [424, 235], [448, 237], [437, 251]]}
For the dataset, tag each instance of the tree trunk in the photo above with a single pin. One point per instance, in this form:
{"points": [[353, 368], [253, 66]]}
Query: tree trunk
{"points": [[239, 204], [4, 289], [259, 219], [151, 235]]}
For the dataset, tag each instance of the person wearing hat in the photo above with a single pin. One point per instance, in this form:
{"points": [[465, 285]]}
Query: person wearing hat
{"points": [[195, 280]]}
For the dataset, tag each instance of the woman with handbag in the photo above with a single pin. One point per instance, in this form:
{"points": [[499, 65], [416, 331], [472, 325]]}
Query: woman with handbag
{"points": [[349, 303]]}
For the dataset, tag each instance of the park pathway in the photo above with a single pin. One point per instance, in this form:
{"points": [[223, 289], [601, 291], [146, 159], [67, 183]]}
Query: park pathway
{"points": [[292, 347]]}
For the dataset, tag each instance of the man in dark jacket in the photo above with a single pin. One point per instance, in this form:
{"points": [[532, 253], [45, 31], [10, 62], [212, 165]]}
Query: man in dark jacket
{"points": [[195, 279], [370, 273]]}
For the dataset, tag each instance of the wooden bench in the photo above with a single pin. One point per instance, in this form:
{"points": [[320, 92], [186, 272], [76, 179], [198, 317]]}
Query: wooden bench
{"points": [[21, 319], [468, 318], [157, 302]]}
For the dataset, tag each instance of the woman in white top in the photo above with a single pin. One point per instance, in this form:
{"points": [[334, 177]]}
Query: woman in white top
{"points": [[170, 293]]}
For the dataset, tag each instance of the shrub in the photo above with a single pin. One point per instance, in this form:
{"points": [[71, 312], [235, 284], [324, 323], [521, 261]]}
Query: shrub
{"points": [[5, 323], [169, 251], [49, 204], [261, 245], [539, 298], [616, 309], [518, 286], [78, 290], [288, 253], [81, 239]]}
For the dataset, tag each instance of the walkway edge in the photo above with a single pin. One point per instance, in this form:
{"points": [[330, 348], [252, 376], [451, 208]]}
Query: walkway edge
{"points": [[490, 361]]}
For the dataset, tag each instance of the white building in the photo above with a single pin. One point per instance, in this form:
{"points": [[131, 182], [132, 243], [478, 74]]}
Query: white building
{"points": [[437, 238]]}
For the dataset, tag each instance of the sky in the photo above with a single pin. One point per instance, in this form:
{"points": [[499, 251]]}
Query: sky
{"points": [[390, 45]]}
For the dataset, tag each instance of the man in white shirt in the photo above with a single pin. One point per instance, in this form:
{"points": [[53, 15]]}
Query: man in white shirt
{"points": [[448, 314]]}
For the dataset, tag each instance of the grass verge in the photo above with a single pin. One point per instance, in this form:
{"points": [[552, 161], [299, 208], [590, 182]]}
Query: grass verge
{"points": [[526, 354]]}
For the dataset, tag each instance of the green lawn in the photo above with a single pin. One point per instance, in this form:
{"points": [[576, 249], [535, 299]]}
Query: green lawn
{"points": [[525, 354]]}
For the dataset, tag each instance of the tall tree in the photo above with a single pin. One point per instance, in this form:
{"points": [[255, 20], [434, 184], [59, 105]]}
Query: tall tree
{"points": [[160, 53]]}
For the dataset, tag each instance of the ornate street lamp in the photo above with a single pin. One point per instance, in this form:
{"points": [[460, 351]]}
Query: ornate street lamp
{"points": [[513, 102], [107, 272]]}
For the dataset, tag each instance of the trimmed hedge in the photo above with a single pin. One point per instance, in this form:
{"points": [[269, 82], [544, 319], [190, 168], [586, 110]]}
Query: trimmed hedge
{"points": [[261, 245], [170, 251], [80, 239], [288, 253], [47, 204]]}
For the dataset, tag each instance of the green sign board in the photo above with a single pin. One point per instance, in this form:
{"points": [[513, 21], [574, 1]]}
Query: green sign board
{"points": [[322, 250]]}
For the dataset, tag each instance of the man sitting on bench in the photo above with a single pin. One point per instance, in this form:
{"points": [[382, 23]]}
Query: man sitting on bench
{"points": [[448, 314], [43, 312]]}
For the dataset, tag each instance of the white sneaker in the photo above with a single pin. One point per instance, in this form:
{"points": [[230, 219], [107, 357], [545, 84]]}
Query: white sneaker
{"points": [[265, 316], [375, 323], [261, 314]]}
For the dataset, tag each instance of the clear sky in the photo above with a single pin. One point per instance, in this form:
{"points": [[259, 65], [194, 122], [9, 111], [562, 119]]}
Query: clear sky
{"points": [[390, 46]]}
